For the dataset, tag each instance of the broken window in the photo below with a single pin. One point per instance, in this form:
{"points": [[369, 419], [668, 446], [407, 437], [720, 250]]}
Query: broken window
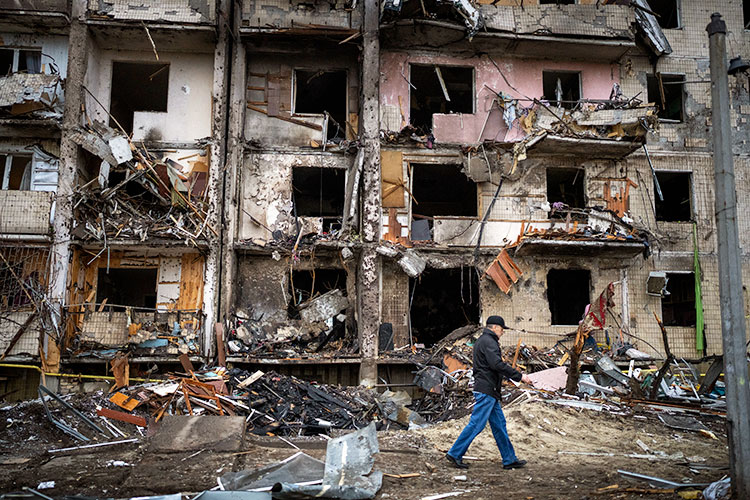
{"points": [[307, 284], [566, 185], [321, 92], [746, 13], [667, 12], [568, 295], [439, 89], [677, 193], [668, 96], [133, 287], [439, 190], [16, 172], [137, 87], [441, 301], [678, 305], [20, 61], [562, 88], [319, 192]]}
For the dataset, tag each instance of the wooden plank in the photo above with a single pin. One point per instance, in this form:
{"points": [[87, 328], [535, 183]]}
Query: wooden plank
{"points": [[191, 282], [187, 365], [19, 334], [498, 276], [122, 417], [392, 178], [507, 264], [219, 333]]}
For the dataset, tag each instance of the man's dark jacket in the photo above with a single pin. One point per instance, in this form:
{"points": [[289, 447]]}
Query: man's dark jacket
{"points": [[489, 368]]}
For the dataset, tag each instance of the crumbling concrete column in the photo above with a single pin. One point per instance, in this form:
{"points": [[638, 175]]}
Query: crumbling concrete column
{"points": [[69, 156], [370, 268], [232, 173], [212, 282]]}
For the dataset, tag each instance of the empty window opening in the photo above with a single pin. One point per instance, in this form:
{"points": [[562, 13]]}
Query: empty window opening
{"points": [[667, 12], [562, 88], [320, 92], [566, 185], [568, 295], [439, 89], [319, 192], [668, 96], [20, 61], [678, 305], [308, 284], [746, 13], [439, 191], [127, 287], [16, 172], [561, 2], [441, 301], [677, 193], [137, 87]]}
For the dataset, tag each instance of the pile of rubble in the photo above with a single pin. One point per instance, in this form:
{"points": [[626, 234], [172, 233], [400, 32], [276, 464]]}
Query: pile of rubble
{"points": [[138, 195]]}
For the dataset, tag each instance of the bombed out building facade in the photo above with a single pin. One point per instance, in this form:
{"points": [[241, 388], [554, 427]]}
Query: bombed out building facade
{"points": [[327, 188]]}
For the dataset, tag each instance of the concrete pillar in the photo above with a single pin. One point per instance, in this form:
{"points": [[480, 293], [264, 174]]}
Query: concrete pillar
{"points": [[62, 224], [212, 282], [730, 266], [234, 161], [370, 267]]}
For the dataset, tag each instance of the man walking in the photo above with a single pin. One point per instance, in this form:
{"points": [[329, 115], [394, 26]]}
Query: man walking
{"points": [[489, 371]]}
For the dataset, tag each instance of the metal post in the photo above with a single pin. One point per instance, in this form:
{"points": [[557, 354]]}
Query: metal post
{"points": [[730, 269]]}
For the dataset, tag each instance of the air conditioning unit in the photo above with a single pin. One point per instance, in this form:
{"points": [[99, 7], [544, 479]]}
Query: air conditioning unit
{"points": [[656, 284]]}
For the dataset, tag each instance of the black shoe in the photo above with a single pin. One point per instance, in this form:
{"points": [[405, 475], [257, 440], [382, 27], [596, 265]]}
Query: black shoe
{"points": [[515, 465], [457, 462]]}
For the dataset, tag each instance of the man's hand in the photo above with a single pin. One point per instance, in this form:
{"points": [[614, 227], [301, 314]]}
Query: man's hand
{"points": [[526, 379]]}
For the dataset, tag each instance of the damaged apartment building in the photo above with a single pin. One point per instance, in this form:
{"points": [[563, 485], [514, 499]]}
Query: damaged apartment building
{"points": [[329, 187]]}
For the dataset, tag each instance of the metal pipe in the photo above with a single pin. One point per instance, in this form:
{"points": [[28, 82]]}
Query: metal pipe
{"points": [[69, 375], [730, 267]]}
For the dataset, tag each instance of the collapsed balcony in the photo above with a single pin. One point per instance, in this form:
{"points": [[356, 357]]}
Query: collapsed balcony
{"points": [[138, 194], [298, 306], [141, 303], [601, 32], [26, 316], [31, 96]]}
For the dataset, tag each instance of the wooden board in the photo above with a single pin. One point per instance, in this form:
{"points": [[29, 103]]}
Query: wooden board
{"points": [[392, 175], [191, 282]]}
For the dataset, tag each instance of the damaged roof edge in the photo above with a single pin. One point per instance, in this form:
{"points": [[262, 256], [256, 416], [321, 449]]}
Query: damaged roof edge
{"points": [[653, 34]]}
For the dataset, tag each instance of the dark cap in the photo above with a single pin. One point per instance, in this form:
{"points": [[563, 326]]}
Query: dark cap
{"points": [[496, 320]]}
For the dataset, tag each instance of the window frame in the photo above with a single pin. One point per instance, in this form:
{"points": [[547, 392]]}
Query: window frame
{"points": [[17, 57], [580, 87], [9, 154], [682, 96], [661, 300], [325, 70], [474, 91], [691, 196]]}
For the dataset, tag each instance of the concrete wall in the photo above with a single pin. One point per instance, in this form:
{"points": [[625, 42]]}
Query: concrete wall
{"points": [[525, 76], [266, 191], [273, 132], [188, 115]]}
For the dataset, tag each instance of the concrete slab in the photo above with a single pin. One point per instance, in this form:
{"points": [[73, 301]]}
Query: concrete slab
{"points": [[179, 433], [551, 379]]}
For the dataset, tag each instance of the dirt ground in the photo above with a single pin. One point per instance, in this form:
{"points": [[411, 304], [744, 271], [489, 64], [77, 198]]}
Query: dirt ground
{"points": [[542, 433]]}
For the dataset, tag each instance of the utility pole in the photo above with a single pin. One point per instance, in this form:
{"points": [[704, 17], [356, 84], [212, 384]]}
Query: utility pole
{"points": [[730, 268]]}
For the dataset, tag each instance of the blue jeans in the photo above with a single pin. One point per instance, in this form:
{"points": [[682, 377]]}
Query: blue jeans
{"points": [[485, 408]]}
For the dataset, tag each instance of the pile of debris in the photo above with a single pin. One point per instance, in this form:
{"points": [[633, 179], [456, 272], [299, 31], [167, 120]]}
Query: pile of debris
{"points": [[137, 195], [320, 330]]}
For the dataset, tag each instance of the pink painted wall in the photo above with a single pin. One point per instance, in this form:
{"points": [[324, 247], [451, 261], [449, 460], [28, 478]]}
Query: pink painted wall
{"points": [[523, 74]]}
